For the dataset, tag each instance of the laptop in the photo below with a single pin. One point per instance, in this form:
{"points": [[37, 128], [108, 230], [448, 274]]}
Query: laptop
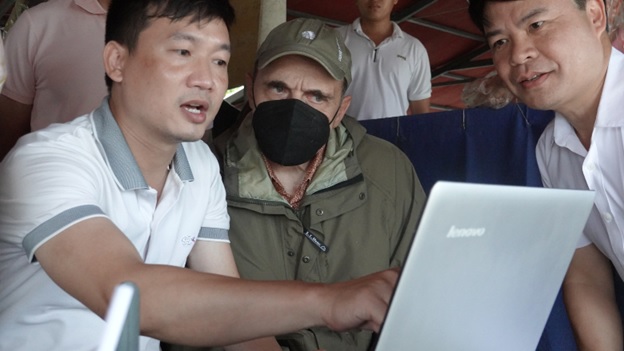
{"points": [[484, 268], [122, 320]]}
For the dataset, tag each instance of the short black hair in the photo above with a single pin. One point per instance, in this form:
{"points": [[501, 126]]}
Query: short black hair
{"points": [[477, 7], [126, 19]]}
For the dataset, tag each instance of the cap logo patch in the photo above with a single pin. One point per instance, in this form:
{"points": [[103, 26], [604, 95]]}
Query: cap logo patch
{"points": [[339, 50], [308, 34]]}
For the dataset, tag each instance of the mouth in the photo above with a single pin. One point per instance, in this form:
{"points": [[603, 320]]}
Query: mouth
{"points": [[532, 78], [196, 110], [195, 107]]}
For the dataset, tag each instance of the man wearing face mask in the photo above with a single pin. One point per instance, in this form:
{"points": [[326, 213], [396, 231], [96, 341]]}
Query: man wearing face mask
{"points": [[311, 196]]}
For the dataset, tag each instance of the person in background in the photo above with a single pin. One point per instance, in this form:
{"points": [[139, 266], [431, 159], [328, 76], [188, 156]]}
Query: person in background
{"points": [[391, 72], [310, 195], [129, 192], [556, 55], [54, 64]]}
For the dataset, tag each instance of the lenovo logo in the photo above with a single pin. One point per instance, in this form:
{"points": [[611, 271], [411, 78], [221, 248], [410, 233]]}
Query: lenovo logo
{"points": [[464, 232]]}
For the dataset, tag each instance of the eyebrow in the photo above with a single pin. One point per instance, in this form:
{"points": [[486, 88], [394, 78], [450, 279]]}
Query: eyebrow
{"points": [[317, 92], [182, 36], [521, 21]]}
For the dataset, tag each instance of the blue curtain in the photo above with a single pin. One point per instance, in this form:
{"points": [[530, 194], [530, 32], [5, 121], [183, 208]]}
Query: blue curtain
{"points": [[474, 145], [481, 146]]}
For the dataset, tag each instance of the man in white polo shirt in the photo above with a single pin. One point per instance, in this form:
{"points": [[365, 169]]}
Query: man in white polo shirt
{"points": [[390, 68], [129, 193]]}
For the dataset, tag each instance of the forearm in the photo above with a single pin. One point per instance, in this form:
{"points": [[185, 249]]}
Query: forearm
{"points": [[192, 308], [590, 300], [418, 106], [594, 316]]}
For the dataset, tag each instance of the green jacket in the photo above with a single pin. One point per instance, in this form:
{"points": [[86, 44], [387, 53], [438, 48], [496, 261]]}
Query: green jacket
{"points": [[363, 204]]}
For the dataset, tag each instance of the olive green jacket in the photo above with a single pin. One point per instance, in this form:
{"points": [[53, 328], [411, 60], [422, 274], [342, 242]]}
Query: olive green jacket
{"points": [[362, 207]]}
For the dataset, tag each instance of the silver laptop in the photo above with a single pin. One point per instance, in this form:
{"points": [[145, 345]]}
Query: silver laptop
{"points": [[484, 268]]}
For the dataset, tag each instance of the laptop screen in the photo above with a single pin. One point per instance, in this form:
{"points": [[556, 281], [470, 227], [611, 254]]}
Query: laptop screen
{"points": [[484, 267]]}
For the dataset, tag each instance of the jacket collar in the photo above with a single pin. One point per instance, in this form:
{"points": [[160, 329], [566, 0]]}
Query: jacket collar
{"points": [[246, 176]]}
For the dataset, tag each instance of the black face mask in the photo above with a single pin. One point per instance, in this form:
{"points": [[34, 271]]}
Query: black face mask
{"points": [[289, 132]]}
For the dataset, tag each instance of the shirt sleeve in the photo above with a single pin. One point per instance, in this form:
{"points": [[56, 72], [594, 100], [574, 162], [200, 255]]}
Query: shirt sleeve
{"points": [[44, 190], [420, 86], [216, 222]]}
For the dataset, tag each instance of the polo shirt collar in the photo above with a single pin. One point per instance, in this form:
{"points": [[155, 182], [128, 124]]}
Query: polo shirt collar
{"points": [[119, 156], [91, 6], [397, 32]]}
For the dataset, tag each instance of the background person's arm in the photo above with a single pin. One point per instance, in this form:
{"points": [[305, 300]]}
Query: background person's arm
{"points": [[187, 307], [15, 122], [590, 300], [418, 106]]}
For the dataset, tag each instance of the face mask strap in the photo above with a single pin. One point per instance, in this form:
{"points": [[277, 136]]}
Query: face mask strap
{"points": [[253, 85], [335, 114]]}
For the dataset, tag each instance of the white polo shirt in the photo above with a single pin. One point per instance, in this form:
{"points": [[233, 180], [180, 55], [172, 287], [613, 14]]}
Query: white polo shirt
{"points": [[385, 77], [565, 163], [70, 172]]}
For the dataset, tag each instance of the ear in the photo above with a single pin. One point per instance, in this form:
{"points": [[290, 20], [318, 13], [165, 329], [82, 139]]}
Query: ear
{"points": [[114, 60], [346, 101], [249, 91], [596, 13]]}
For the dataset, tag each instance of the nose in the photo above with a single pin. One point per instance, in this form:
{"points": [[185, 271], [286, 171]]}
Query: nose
{"points": [[202, 76], [522, 51]]}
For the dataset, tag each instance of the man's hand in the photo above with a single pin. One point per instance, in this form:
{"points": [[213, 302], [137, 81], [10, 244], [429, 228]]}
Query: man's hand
{"points": [[360, 303]]}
